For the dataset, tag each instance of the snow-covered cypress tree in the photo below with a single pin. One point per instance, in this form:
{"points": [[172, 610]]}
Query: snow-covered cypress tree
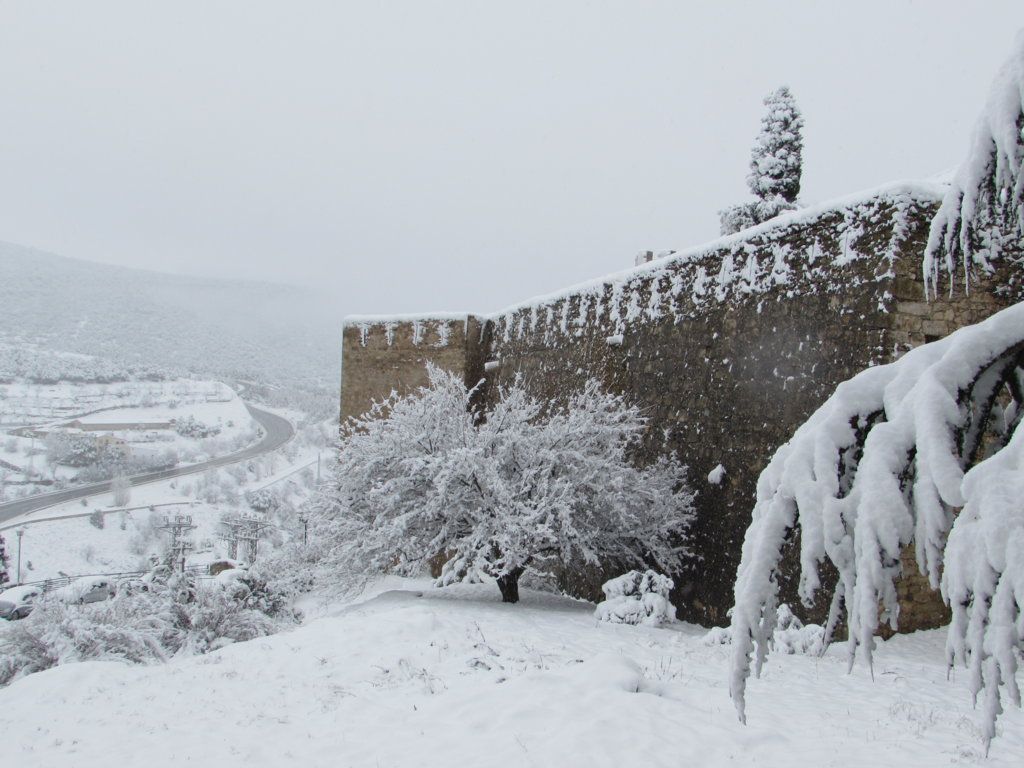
{"points": [[776, 161]]}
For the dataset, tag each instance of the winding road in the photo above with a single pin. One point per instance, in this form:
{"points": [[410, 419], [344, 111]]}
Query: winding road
{"points": [[276, 432]]}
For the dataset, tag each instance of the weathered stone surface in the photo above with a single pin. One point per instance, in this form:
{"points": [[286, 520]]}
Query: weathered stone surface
{"points": [[727, 349]]}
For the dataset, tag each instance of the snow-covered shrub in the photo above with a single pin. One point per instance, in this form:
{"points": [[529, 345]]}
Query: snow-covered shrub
{"points": [[262, 500], [735, 218], [637, 597], [883, 465], [96, 519], [134, 629], [790, 634], [423, 476], [982, 214], [191, 427], [174, 617], [793, 636], [71, 449], [215, 618]]}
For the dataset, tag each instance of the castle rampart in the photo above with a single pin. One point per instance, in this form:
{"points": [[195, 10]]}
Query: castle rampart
{"points": [[728, 348]]}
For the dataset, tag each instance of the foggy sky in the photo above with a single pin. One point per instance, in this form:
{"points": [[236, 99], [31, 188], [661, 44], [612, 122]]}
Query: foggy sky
{"points": [[407, 156]]}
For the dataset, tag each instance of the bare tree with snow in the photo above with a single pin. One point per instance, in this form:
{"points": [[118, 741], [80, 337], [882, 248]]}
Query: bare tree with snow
{"points": [[122, 490], [424, 476]]}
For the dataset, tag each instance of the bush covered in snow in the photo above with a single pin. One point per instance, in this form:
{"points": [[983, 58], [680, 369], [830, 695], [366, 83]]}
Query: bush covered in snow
{"points": [[192, 427], [170, 619], [790, 634], [424, 478], [637, 597]]}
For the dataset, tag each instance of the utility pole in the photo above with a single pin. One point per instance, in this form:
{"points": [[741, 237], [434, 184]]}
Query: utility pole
{"points": [[177, 528], [247, 530], [20, 532]]}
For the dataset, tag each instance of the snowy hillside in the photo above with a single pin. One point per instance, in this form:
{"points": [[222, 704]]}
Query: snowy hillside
{"points": [[237, 329], [453, 677]]}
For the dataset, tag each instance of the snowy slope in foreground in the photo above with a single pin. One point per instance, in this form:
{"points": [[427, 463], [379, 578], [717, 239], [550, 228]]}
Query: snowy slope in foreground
{"points": [[454, 677]]}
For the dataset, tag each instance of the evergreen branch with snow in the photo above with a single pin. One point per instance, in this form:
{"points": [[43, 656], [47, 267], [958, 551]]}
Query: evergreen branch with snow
{"points": [[883, 465], [981, 219]]}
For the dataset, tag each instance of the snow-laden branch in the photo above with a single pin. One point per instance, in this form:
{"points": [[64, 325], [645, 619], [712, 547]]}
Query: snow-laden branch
{"points": [[982, 214], [880, 466]]}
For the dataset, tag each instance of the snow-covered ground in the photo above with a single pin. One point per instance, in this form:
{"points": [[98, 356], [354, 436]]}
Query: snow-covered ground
{"points": [[423, 677]]}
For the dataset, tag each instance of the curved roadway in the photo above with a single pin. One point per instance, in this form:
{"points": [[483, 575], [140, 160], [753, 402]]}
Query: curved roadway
{"points": [[276, 432]]}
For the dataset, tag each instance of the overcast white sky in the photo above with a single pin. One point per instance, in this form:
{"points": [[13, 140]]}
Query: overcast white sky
{"points": [[463, 154]]}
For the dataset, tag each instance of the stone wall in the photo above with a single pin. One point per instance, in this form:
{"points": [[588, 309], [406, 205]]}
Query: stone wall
{"points": [[380, 354], [728, 348]]}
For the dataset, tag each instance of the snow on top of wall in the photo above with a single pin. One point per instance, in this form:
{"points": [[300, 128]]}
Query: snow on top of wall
{"points": [[922, 191], [737, 272], [408, 317]]}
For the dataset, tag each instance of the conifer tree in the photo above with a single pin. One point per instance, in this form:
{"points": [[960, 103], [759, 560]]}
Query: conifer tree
{"points": [[776, 161]]}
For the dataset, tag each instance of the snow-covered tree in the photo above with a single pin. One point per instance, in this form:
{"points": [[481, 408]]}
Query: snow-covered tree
{"points": [[4, 562], [122, 490], [425, 477], [776, 161], [982, 215], [885, 464], [776, 164], [737, 217]]}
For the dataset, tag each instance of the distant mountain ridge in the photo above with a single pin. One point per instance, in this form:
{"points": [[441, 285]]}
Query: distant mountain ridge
{"points": [[276, 334]]}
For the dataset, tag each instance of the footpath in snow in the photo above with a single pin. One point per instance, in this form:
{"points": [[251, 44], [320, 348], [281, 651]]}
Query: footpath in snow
{"points": [[424, 677]]}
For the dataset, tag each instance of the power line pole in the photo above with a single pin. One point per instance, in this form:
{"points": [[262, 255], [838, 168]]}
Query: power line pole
{"points": [[20, 532], [180, 545], [246, 530]]}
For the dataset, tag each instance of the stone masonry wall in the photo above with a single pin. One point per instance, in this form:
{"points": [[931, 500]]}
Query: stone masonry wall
{"points": [[728, 348], [383, 354]]}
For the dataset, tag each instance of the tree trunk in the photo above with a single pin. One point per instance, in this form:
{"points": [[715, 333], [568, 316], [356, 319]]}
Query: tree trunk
{"points": [[509, 585]]}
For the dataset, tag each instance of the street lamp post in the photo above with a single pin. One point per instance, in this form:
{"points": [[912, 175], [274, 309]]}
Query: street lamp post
{"points": [[20, 532]]}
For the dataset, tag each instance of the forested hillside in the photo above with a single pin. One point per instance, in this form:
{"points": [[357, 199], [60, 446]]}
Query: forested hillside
{"points": [[240, 329]]}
